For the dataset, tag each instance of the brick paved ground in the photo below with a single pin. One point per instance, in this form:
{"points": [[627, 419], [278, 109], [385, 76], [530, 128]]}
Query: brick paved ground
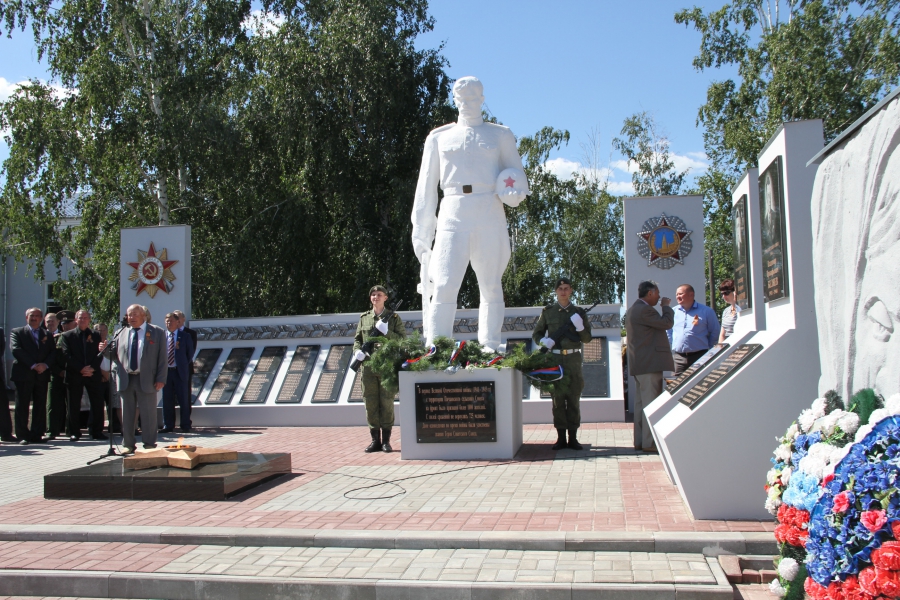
{"points": [[606, 487]]}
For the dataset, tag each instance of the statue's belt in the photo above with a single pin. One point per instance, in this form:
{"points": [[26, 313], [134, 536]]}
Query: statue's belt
{"points": [[475, 188]]}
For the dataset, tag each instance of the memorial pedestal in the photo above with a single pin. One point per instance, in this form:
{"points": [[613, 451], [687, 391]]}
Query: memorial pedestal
{"points": [[467, 415]]}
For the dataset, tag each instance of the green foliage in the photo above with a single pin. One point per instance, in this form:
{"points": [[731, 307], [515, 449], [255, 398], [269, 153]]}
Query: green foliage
{"points": [[388, 360], [645, 146], [833, 401], [796, 59], [293, 164], [564, 228], [864, 403], [795, 588]]}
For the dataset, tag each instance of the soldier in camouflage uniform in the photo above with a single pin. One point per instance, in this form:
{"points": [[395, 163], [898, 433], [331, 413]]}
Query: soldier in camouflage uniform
{"points": [[379, 403], [567, 406]]}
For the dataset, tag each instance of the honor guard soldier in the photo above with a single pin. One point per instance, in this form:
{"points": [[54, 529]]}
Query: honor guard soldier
{"points": [[562, 329], [374, 325]]}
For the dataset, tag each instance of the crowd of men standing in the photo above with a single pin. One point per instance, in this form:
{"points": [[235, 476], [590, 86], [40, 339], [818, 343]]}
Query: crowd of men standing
{"points": [[60, 358]]}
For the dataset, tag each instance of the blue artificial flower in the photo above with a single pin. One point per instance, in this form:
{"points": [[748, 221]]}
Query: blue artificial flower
{"points": [[803, 491]]}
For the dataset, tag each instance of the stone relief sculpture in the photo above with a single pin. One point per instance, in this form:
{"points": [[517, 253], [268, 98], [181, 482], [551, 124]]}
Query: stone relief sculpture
{"points": [[856, 237], [478, 167]]}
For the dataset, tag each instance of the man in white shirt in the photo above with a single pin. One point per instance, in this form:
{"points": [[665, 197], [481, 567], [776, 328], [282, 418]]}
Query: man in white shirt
{"points": [[140, 367]]}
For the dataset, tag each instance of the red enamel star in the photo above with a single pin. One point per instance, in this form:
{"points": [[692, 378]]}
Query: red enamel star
{"points": [[510, 182], [152, 272]]}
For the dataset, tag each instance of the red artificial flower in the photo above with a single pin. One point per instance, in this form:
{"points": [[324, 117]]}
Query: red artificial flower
{"points": [[852, 591], [827, 479], [888, 556], [895, 528], [794, 517], [873, 520], [841, 502], [867, 581], [815, 591], [781, 532], [888, 582], [797, 537]]}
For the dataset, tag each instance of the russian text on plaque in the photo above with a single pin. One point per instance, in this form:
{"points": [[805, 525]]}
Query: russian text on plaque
{"points": [[456, 412], [720, 374]]}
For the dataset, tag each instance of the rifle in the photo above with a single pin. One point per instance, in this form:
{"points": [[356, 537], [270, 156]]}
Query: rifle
{"points": [[568, 330], [369, 346]]}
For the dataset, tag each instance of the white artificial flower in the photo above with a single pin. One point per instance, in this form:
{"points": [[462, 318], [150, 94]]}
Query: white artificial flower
{"points": [[771, 476], [848, 422], [814, 463], [772, 505], [806, 420], [786, 475], [818, 407], [794, 430], [776, 588], [783, 453], [892, 405], [827, 423], [862, 432], [877, 415], [788, 568]]}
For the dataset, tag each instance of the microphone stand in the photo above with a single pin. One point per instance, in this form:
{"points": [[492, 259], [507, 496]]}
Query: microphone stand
{"points": [[113, 348]]}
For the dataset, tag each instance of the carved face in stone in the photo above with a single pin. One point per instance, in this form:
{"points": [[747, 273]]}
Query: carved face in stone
{"points": [[878, 314], [468, 95]]}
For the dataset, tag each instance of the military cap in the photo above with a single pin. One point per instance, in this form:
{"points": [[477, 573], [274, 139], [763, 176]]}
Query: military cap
{"points": [[562, 280], [65, 316], [379, 288]]}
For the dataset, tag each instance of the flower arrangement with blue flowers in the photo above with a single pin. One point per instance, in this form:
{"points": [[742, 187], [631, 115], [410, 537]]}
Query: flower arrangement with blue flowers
{"points": [[853, 546]]}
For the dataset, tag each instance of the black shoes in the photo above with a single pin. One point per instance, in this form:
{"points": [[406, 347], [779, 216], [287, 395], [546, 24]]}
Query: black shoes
{"points": [[73, 438], [99, 436], [560, 440], [185, 430], [24, 442], [375, 446], [573, 441], [167, 430], [386, 439], [8, 439]]}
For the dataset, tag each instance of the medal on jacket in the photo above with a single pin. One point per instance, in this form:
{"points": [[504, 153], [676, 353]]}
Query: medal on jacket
{"points": [[696, 320]]}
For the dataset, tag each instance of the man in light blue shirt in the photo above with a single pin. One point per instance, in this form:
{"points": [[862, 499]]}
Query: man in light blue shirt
{"points": [[696, 329]]}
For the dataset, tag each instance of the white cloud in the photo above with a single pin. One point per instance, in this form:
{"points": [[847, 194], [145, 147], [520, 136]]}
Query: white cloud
{"points": [[621, 188], [694, 162], [260, 22], [566, 169], [7, 88]]}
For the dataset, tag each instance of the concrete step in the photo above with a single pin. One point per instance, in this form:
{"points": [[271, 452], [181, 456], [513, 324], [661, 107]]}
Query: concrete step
{"points": [[272, 572], [706, 543]]}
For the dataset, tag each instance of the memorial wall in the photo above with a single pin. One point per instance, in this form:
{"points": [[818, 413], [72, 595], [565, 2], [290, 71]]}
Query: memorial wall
{"points": [[295, 370]]}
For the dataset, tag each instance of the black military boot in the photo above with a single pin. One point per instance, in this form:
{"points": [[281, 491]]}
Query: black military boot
{"points": [[386, 439], [573, 441], [560, 439], [375, 446]]}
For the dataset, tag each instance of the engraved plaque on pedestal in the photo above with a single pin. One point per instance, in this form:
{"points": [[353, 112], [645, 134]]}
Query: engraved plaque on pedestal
{"points": [[230, 376], [673, 385], [462, 412], [298, 374], [720, 374], [203, 366]]}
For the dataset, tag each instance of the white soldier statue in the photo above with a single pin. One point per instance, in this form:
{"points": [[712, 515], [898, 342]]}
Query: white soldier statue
{"points": [[478, 167]]}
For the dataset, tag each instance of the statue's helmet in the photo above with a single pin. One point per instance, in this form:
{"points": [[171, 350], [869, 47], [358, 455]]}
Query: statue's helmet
{"points": [[468, 86], [511, 179]]}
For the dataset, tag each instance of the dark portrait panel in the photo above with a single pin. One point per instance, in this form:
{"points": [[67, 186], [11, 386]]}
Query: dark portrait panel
{"points": [[742, 283], [774, 252]]}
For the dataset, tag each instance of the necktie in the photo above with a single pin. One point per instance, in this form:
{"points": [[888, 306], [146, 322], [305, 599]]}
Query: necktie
{"points": [[133, 360], [171, 349], [34, 334]]}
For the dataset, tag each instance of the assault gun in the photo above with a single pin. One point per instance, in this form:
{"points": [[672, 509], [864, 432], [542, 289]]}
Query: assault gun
{"points": [[568, 331], [369, 346]]}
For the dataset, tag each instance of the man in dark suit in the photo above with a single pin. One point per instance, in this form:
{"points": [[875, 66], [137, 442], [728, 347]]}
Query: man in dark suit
{"points": [[649, 354], [193, 335], [179, 351], [140, 368], [6, 427], [80, 347], [56, 394], [33, 350]]}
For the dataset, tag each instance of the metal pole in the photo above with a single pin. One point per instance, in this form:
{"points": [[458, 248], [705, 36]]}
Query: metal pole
{"points": [[712, 279]]}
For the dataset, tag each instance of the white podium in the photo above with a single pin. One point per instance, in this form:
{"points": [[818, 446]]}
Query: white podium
{"points": [[478, 413]]}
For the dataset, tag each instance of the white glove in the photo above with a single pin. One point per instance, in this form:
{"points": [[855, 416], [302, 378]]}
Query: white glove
{"points": [[548, 343], [577, 321], [511, 198], [381, 326], [360, 356]]}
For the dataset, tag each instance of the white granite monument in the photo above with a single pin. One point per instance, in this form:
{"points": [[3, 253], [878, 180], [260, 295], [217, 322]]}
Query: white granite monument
{"points": [[478, 167]]}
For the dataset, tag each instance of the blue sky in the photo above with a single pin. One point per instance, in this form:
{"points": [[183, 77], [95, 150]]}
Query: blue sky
{"points": [[581, 65]]}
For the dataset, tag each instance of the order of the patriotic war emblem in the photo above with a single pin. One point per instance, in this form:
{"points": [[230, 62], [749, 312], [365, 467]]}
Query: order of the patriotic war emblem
{"points": [[664, 241], [152, 272]]}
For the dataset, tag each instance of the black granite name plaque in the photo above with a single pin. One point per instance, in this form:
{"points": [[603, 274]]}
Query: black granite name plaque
{"points": [[720, 374], [676, 384], [264, 375], [456, 412]]}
